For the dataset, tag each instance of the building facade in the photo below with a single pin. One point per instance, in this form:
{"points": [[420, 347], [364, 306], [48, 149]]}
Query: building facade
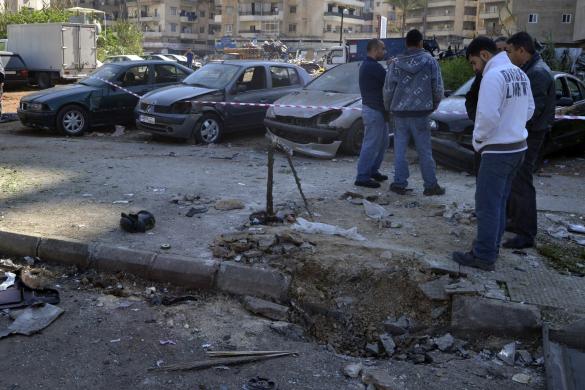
{"points": [[17, 5]]}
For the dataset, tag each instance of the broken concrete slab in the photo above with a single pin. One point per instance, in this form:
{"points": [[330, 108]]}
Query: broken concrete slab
{"points": [[373, 349], [435, 289], [380, 379], [388, 344], [482, 315], [464, 286], [292, 331], [184, 271], [442, 267], [266, 309], [244, 280], [397, 327]]}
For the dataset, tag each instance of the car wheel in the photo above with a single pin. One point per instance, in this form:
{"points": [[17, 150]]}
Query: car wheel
{"points": [[73, 120], [352, 144], [208, 130], [44, 80]]}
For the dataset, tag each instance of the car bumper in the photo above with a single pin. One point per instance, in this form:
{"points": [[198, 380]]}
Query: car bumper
{"points": [[318, 150], [169, 125], [453, 155], [43, 120], [301, 133]]}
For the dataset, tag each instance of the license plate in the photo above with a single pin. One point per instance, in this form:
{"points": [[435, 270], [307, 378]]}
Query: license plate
{"points": [[10, 72], [147, 119]]}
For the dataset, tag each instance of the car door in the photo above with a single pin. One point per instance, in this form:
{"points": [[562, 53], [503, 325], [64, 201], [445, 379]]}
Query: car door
{"points": [[568, 132], [120, 102], [250, 87], [167, 74], [283, 80]]}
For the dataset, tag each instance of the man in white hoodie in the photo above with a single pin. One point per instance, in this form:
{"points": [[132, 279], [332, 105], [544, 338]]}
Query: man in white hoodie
{"points": [[505, 105]]}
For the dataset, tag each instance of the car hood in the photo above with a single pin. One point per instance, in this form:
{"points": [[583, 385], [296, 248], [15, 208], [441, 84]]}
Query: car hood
{"points": [[59, 92], [174, 93], [307, 97], [453, 113]]}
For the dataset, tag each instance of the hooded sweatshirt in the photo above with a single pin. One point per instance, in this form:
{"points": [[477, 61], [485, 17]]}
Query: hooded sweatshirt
{"points": [[505, 105], [414, 86]]}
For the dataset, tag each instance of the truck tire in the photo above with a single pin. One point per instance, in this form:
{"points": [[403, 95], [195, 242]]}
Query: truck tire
{"points": [[44, 80], [352, 144], [73, 120], [208, 130]]}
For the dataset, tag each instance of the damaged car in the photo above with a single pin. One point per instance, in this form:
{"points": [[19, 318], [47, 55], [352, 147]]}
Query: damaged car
{"points": [[452, 129], [334, 123], [220, 97]]}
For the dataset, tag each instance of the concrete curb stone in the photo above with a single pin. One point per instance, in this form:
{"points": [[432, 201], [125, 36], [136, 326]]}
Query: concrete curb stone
{"points": [[244, 280], [15, 244], [114, 259], [66, 252], [184, 271]]}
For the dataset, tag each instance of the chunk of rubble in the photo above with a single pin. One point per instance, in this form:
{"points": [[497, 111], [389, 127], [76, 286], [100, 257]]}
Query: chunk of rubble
{"points": [[388, 344], [373, 349], [508, 354], [435, 289], [380, 379], [266, 309], [353, 370], [288, 330], [397, 327], [445, 343]]}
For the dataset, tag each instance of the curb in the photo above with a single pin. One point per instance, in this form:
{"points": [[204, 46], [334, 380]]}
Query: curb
{"points": [[183, 271]]}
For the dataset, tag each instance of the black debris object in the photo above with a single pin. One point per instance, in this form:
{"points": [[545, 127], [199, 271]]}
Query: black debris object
{"points": [[137, 223]]}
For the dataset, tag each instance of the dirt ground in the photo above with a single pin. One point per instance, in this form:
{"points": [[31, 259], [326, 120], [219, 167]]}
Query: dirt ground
{"points": [[76, 188]]}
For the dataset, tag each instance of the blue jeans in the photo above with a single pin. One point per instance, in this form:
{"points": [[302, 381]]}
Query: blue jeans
{"points": [[417, 128], [375, 144], [494, 182]]}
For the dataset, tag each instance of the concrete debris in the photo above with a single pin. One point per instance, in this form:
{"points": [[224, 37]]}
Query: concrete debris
{"points": [[36, 279], [373, 349], [288, 330], [266, 309], [458, 213], [388, 344], [380, 379], [252, 247], [508, 354], [438, 312], [482, 315], [353, 370], [524, 357], [229, 204], [521, 378], [445, 343], [579, 229], [464, 286], [435, 289], [397, 327]]}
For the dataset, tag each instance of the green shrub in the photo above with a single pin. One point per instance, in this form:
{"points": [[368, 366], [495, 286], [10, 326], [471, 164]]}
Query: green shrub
{"points": [[456, 71]]}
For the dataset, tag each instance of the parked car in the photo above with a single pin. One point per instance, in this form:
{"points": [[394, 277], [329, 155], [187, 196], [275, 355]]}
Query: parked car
{"points": [[73, 109], [452, 129], [321, 132], [171, 111], [159, 57], [123, 58], [15, 71]]}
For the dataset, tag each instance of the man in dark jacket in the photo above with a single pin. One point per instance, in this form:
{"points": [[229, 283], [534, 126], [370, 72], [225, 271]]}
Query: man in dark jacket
{"points": [[522, 202], [376, 137]]}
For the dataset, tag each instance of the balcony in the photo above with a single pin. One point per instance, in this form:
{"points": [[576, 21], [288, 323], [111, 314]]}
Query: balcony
{"points": [[260, 17], [144, 17], [152, 34], [351, 3], [442, 3], [189, 36], [413, 20], [489, 15], [439, 18], [217, 19], [349, 19]]}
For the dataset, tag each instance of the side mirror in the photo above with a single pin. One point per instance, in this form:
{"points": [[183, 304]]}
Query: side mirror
{"points": [[565, 102]]}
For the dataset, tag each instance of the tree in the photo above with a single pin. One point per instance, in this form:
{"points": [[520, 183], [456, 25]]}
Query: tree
{"points": [[26, 16], [122, 38], [406, 6]]}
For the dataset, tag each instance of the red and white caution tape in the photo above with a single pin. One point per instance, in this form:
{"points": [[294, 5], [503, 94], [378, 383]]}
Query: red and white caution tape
{"points": [[304, 107]]}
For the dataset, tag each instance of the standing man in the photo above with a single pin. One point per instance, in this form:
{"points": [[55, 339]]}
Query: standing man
{"points": [[522, 202], [189, 55], [413, 90], [376, 137], [505, 105], [501, 44]]}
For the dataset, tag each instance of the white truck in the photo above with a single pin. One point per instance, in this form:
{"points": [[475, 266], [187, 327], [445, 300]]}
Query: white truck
{"points": [[55, 51]]}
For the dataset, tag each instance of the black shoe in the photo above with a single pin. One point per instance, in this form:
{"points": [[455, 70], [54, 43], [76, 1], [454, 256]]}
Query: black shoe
{"points": [[469, 260], [367, 183], [519, 242], [399, 190], [435, 190], [379, 177]]}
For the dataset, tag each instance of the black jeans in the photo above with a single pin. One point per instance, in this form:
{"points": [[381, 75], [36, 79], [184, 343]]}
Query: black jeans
{"points": [[521, 208]]}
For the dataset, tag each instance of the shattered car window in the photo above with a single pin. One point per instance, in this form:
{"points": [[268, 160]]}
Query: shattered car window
{"points": [[214, 76], [341, 79], [107, 72]]}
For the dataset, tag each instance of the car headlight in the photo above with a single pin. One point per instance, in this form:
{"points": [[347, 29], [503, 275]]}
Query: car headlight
{"points": [[35, 106], [181, 107], [433, 125], [326, 118]]}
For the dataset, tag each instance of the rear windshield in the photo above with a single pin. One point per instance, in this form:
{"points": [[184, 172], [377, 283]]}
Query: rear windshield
{"points": [[13, 62], [342, 79]]}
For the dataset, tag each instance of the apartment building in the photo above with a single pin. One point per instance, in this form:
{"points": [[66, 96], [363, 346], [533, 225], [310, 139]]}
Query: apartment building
{"points": [[114, 9], [451, 22], [173, 26], [543, 19], [17, 5]]}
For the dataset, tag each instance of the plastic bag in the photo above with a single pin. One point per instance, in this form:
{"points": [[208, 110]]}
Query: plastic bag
{"points": [[305, 226], [375, 211]]}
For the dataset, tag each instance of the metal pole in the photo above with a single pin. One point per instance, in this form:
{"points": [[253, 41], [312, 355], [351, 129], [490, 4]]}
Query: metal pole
{"points": [[341, 30]]}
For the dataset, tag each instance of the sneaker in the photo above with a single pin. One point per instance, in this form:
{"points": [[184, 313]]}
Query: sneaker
{"points": [[367, 183], [399, 190], [519, 242], [469, 260], [435, 190], [379, 177]]}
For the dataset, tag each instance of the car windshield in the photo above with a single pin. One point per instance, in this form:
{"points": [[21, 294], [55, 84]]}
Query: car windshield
{"points": [[214, 76], [107, 72], [464, 88], [341, 79]]}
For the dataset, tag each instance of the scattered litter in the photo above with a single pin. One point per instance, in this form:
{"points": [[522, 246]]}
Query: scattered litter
{"points": [[167, 342], [129, 195], [223, 368], [305, 226], [579, 229], [86, 195], [121, 202], [165, 246], [115, 341], [560, 233], [7, 263], [375, 211], [31, 260], [33, 319], [119, 131], [206, 346], [259, 383], [521, 378], [9, 282], [159, 363], [225, 361], [196, 210], [508, 354], [137, 223]]}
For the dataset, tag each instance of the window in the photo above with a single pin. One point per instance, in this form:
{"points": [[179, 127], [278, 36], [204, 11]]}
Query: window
{"points": [[173, 27], [156, 12], [202, 30], [137, 75], [560, 90], [252, 79], [229, 28], [533, 18], [229, 10], [294, 76], [253, 27], [567, 18], [202, 14], [280, 77], [293, 9], [328, 28], [492, 9], [165, 74], [292, 28], [173, 11], [574, 89]]}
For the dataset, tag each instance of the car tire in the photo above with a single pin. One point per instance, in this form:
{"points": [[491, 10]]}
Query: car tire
{"points": [[208, 130], [44, 80], [73, 120], [352, 144]]}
